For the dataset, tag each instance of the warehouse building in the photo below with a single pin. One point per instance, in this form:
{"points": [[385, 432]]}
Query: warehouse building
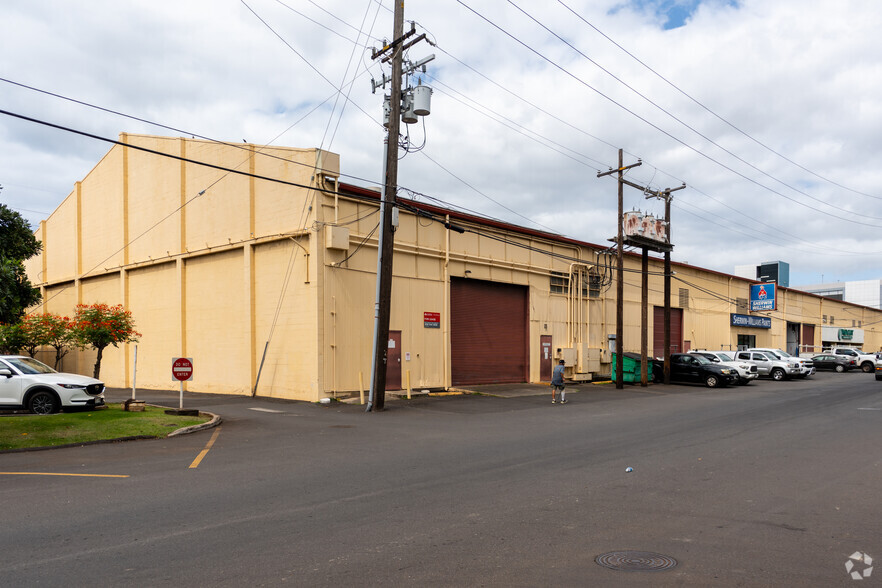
{"points": [[265, 276]]}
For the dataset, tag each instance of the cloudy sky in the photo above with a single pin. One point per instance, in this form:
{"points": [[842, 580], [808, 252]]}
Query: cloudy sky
{"points": [[769, 111]]}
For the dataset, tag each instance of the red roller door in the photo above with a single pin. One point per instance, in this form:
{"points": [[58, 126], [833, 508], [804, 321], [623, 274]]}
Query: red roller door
{"points": [[488, 332], [658, 331]]}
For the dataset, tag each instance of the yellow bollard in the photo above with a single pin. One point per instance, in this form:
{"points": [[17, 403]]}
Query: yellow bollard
{"points": [[361, 386], [408, 384]]}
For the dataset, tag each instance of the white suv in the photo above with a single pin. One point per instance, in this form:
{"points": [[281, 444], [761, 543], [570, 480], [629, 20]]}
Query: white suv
{"points": [[746, 370], [33, 385]]}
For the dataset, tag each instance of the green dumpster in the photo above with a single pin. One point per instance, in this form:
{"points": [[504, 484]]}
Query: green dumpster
{"points": [[631, 368]]}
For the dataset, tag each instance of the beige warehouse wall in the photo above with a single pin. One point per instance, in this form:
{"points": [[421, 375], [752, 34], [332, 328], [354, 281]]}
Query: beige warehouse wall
{"points": [[155, 303], [153, 186], [60, 241], [217, 323], [290, 367], [102, 229]]}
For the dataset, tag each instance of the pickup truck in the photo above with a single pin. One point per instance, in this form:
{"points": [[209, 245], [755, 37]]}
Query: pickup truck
{"points": [[865, 361], [691, 367], [768, 364], [806, 367]]}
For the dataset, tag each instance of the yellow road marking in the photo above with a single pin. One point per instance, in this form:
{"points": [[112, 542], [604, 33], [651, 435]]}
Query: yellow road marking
{"points": [[204, 452], [49, 474]]}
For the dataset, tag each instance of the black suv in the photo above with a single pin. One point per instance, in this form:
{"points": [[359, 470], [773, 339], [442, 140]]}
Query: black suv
{"points": [[690, 367]]}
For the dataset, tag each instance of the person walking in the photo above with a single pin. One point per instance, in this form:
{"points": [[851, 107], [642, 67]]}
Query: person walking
{"points": [[557, 383]]}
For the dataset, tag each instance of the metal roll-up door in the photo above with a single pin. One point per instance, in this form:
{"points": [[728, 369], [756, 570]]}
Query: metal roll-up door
{"points": [[488, 332], [658, 331]]}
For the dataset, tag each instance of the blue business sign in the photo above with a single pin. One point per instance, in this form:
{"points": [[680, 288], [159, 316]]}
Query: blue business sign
{"points": [[745, 320], [762, 297]]}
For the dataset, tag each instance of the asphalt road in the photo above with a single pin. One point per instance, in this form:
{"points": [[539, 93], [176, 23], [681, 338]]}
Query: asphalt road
{"points": [[773, 484]]}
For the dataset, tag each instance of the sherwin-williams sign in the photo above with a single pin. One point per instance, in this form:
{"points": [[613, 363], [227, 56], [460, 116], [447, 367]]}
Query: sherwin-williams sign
{"points": [[846, 334], [745, 320], [762, 297]]}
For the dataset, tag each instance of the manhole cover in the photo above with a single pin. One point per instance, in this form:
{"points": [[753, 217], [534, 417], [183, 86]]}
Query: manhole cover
{"points": [[636, 561]]}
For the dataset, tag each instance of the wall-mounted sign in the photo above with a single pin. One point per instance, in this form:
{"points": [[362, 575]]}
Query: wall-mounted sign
{"points": [[745, 320], [432, 320], [833, 335], [762, 296]]}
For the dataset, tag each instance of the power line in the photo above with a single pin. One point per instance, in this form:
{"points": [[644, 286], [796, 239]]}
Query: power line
{"points": [[733, 126], [674, 117], [653, 125]]}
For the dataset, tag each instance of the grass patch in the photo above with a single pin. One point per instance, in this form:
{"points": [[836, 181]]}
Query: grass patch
{"points": [[19, 432]]}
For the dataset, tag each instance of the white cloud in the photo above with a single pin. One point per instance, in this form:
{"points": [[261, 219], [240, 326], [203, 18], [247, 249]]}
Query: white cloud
{"points": [[801, 79]]}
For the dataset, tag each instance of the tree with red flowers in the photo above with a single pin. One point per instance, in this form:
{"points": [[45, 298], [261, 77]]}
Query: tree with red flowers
{"points": [[53, 331], [100, 325]]}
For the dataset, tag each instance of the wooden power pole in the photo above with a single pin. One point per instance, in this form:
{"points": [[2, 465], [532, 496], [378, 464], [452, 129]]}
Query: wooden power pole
{"points": [[644, 299], [383, 304]]}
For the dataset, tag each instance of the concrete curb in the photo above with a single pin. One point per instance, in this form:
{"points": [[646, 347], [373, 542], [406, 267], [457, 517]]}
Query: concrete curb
{"points": [[215, 421]]}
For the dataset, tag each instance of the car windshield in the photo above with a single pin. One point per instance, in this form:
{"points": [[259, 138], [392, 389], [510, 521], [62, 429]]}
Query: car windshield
{"points": [[27, 365], [724, 357], [782, 353], [702, 359]]}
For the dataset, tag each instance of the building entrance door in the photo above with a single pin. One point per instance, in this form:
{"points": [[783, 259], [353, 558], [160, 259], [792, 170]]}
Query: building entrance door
{"points": [[546, 362], [393, 361]]}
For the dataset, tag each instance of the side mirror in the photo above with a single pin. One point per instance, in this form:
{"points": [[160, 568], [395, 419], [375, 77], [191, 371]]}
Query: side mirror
{"points": [[6, 372]]}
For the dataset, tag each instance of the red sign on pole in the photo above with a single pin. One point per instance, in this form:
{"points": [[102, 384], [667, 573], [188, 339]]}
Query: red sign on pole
{"points": [[182, 368]]}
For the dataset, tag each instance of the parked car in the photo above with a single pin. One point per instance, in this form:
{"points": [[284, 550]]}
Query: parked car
{"points": [[878, 369], [865, 361], [32, 385], [769, 364], [838, 363], [805, 364], [746, 370], [691, 367]]}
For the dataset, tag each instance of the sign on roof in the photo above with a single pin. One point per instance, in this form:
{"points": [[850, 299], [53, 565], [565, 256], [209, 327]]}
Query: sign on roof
{"points": [[762, 296]]}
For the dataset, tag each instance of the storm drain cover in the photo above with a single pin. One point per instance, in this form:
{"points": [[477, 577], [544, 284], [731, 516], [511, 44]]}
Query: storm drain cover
{"points": [[636, 561]]}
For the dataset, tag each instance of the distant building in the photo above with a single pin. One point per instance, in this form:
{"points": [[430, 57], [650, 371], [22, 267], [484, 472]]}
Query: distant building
{"points": [[767, 271], [863, 292]]}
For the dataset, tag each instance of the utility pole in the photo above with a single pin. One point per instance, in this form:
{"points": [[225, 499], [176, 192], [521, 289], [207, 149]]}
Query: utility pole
{"points": [[666, 196], [646, 244], [385, 249], [383, 303], [620, 266]]}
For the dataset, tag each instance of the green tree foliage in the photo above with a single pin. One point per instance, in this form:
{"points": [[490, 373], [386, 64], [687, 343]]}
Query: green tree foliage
{"points": [[17, 243], [100, 325], [13, 338]]}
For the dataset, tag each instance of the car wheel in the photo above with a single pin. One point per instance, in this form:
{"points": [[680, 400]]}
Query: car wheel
{"points": [[778, 374], [43, 402], [711, 382], [839, 368], [867, 367]]}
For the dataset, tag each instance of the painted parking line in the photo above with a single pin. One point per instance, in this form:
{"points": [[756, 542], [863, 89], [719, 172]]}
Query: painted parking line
{"points": [[61, 474], [870, 409], [266, 410], [204, 452]]}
